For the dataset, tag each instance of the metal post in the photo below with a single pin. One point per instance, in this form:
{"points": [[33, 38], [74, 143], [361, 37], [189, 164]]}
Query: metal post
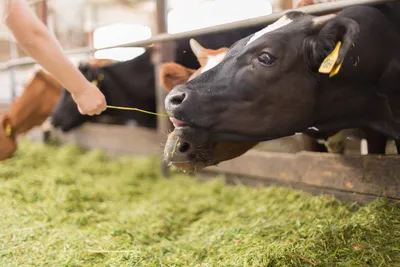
{"points": [[91, 22], [41, 9], [95, 21], [161, 53], [13, 79]]}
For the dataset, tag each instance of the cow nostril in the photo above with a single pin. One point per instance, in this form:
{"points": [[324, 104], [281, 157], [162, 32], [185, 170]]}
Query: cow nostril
{"points": [[184, 147], [178, 98]]}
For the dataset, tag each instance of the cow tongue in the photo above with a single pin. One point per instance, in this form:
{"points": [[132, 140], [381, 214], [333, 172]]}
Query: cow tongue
{"points": [[177, 123]]}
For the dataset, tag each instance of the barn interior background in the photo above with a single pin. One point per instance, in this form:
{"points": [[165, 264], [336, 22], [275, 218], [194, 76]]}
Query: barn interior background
{"points": [[101, 23]]}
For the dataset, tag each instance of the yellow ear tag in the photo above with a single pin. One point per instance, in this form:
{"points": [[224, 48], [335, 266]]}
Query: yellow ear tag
{"points": [[335, 70], [95, 83], [329, 62], [8, 129], [101, 77]]}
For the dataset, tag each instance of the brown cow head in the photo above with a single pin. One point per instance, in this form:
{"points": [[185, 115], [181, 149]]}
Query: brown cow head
{"points": [[173, 74], [31, 109]]}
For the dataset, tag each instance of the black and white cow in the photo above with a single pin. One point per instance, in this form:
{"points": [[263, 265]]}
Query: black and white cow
{"points": [[268, 85]]}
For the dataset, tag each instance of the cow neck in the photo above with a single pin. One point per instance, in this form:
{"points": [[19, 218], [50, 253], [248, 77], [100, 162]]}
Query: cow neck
{"points": [[122, 91], [19, 115], [340, 107]]}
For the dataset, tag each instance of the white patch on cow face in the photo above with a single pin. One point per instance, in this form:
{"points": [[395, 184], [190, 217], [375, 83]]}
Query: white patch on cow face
{"points": [[313, 128], [213, 61], [283, 21]]}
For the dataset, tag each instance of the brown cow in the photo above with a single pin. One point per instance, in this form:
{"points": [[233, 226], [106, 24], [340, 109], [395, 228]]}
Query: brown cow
{"points": [[32, 108], [173, 74]]}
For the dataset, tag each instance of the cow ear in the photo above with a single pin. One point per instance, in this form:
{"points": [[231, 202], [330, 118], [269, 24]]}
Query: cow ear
{"points": [[173, 74], [331, 40]]}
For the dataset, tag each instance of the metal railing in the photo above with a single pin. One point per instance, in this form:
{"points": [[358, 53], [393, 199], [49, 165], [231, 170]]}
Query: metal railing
{"points": [[317, 9]]}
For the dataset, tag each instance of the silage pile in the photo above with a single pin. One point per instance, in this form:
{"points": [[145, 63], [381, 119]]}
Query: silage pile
{"points": [[63, 207]]}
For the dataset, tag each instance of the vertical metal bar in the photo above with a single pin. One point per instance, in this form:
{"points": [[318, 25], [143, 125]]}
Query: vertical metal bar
{"points": [[13, 79], [41, 10], [95, 22], [42, 13], [161, 53]]}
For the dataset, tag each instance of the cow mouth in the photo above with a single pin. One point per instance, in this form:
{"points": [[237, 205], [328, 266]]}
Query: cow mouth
{"points": [[178, 123], [182, 155], [181, 127]]}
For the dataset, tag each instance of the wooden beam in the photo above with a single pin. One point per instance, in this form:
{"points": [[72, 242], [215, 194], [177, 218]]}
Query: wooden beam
{"points": [[370, 176], [115, 140]]}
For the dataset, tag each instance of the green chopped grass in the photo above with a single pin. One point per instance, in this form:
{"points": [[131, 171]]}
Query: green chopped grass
{"points": [[63, 207]]}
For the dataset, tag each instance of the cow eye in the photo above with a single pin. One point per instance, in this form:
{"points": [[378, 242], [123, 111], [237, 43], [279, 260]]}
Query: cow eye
{"points": [[266, 59]]}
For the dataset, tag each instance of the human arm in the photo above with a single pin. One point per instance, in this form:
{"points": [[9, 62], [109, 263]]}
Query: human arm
{"points": [[37, 41]]}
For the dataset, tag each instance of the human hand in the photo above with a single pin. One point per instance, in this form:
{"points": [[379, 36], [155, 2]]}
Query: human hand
{"points": [[90, 100]]}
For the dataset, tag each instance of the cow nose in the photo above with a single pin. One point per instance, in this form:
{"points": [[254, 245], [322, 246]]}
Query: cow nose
{"points": [[175, 99], [181, 152]]}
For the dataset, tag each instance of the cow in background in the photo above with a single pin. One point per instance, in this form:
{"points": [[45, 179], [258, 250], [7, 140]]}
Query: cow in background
{"points": [[128, 84], [173, 74], [33, 107]]}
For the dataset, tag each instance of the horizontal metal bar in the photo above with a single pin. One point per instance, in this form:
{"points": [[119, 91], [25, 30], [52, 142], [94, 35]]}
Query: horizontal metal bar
{"points": [[317, 9], [33, 2]]}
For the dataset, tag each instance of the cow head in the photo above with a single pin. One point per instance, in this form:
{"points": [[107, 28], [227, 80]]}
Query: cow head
{"points": [[66, 115], [173, 74], [264, 88]]}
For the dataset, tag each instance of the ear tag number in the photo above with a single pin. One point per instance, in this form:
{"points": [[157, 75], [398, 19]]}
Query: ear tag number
{"points": [[328, 65]]}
